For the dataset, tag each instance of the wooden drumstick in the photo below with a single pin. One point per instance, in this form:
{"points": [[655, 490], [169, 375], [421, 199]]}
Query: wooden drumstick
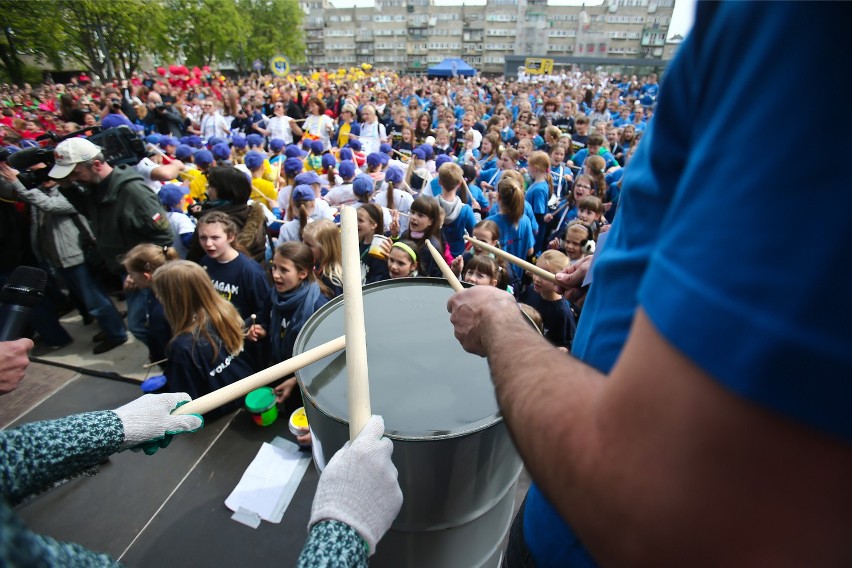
{"points": [[445, 268], [544, 274], [353, 317], [224, 395]]}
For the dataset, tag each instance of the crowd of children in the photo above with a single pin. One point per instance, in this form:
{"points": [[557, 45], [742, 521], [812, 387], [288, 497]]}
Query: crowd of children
{"points": [[258, 214]]}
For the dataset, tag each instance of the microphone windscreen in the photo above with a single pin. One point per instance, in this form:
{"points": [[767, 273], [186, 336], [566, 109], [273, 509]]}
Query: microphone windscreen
{"points": [[25, 287]]}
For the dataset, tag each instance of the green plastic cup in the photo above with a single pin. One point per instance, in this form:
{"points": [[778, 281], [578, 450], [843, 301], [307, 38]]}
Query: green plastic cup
{"points": [[261, 404]]}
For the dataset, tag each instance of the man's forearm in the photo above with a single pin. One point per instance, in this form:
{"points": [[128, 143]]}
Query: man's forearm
{"points": [[547, 399]]}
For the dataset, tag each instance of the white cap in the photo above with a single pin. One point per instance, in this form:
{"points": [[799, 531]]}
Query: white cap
{"points": [[71, 152]]}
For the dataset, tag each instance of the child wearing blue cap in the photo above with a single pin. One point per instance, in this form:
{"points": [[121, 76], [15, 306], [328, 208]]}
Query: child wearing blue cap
{"points": [[198, 186], [329, 177], [240, 147], [342, 194], [314, 160], [173, 198], [321, 210], [304, 203], [262, 190], [392, 197]]}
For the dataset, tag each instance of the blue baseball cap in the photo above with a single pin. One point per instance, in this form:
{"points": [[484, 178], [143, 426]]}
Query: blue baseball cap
{"points": [[419, 153], [254, 159], [239, 141], [363, 185], [221, 151], [346, 169], [213, 140], [167, 141], [328, 161], [194, 141], [441, 160], [254, 140], [203, 158], [428, 151], [293, 151], [394, 174], [153, 138], [293, 166], [184, 152], [303, 192], [355, 145], [386, 149], [172, 194], [345, 154], [374, 159], [316, 147], [114, 120], [307, 178], [276, 144]]}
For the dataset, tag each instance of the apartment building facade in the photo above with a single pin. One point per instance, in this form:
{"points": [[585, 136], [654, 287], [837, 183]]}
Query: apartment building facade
{"points": [[411, 35]]}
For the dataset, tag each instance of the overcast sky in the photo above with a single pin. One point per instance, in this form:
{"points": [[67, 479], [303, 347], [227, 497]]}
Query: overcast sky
{"points": [[684, 10]]}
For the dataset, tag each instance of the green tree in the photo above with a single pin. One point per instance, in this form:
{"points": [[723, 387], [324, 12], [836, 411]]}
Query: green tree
{"points": [[275, 27], [110, 38], [206, 30], [29, 29]]}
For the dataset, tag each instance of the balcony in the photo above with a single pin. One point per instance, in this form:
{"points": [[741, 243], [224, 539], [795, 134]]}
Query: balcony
{"points": [[418, 23]]}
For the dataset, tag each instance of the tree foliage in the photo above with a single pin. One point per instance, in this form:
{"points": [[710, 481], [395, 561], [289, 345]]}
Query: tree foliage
{"points": [[30, 29], [112, 38], [276, 28]]}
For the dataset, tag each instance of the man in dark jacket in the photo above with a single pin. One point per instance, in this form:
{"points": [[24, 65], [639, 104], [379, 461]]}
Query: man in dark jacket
{"points": [[122, 210]]}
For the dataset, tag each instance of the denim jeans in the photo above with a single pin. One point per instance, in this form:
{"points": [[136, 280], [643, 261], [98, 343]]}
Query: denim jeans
{"points": [[137, 313], [87, 288]]}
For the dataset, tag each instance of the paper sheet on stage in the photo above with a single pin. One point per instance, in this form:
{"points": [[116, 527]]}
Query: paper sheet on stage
{"points": [[271, 480]]}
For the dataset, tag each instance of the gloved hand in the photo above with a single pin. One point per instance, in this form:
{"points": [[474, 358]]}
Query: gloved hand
{"points": [[149, 424], [359, 485]]}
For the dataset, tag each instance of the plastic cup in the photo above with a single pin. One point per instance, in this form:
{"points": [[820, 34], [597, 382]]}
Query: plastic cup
{"points": [[261, 404], [299, 422], [376, 249]]}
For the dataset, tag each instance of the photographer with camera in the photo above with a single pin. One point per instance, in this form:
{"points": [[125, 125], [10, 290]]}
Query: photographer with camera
{"points": [[59, 236], [162, 117], [122, 210]]}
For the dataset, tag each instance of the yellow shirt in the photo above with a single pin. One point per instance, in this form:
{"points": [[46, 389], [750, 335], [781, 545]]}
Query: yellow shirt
{"points": [[198, 186], [343, 135], [263, 190]]}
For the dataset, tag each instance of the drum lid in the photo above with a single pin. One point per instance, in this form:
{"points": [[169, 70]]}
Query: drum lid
{"points": [[421, 381]]}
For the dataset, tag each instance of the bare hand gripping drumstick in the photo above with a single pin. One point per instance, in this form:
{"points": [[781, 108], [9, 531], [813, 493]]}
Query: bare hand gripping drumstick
{"points": [[544, 274], [445, 268], [224, 395], [353, 316]]}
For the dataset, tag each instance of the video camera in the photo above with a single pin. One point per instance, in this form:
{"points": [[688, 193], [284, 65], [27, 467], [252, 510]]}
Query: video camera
{"points": [[121, 145]]}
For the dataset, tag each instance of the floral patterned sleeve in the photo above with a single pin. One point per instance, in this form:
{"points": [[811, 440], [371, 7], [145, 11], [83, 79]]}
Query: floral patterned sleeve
{"points": [[34, 455], [333, 544]]}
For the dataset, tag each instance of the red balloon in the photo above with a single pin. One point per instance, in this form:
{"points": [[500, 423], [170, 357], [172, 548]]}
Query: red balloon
{"points": [[174, 69], [196, 71], [161, 71]]}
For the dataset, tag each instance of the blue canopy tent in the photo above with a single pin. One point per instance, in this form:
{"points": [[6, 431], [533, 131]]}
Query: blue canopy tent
{"points": [[451, 66]]}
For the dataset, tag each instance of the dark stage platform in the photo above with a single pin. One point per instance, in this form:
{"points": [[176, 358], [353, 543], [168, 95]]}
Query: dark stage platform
{"points": [[167, 509]]}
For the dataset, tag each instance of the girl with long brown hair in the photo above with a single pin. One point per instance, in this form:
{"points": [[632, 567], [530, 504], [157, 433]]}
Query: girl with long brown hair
{"points": [[204, 354]]}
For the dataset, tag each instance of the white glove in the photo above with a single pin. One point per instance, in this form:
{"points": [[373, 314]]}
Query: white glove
{"points": [[149, 424], [359, 485]]}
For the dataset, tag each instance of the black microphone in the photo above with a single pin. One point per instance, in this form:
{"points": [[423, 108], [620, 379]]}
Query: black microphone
{"points": [[20, 294]]}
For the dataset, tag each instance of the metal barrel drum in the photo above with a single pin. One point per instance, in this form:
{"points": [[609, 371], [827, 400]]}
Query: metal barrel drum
{"points": [[457, 465]]}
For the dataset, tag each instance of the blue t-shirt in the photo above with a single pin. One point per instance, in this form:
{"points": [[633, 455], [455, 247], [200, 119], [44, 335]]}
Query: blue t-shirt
{"points": [[516, 240], [759, 307], [537, 196], [241, 281]]}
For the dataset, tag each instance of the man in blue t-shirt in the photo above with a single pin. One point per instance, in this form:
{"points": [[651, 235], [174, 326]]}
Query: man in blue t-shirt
{"points": [[704, 416]]}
